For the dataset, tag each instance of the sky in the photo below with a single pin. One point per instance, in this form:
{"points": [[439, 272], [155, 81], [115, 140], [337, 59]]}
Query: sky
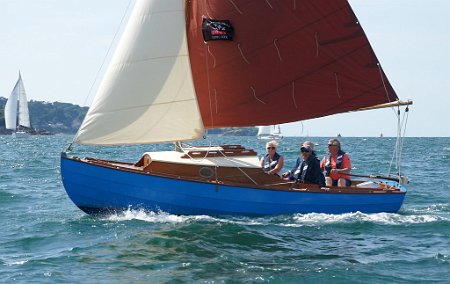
{"points": [[61, 47]]}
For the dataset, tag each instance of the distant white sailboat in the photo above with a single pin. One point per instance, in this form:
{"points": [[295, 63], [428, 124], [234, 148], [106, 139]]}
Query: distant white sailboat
{"points": [[17, 116], [269, 132]]}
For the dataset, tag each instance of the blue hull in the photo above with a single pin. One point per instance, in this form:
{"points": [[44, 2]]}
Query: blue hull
{"points": [[96, 189]]}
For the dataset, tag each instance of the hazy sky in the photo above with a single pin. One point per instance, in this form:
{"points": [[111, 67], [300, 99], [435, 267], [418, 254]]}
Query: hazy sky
{"points": [[59, 46]]}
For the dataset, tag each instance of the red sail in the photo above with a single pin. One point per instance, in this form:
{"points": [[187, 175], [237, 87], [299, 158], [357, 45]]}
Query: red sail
{"points": [[287, 60]]}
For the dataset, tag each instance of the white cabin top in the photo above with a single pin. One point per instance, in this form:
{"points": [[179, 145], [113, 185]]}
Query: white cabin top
{"points": [[204, 158]]}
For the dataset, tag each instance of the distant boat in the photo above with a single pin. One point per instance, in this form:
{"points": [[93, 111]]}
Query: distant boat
{"points": [[381, 135], [17, 117], [270, 132], [178, 71], [339, 135]]}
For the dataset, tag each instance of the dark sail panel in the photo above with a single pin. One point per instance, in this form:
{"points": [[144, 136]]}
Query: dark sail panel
{"points": [[288, 61]]}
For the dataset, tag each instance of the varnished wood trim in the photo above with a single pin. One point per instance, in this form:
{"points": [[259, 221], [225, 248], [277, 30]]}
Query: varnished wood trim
{"points": [[227, 180]]}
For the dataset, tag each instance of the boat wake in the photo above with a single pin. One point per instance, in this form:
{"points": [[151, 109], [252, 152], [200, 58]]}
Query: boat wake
{"points": [[155, 217], [358, 217], [435, 213]]}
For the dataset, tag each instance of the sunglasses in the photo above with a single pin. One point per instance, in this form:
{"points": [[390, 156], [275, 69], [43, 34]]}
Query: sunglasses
{"points": [[304, 150], [271, 147], [329, 145]]}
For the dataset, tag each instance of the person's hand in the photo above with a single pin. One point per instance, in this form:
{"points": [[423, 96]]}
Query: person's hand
{"points": [[286, 174]]}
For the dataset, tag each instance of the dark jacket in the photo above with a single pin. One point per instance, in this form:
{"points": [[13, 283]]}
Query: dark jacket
{"points": [[268, 165], [308, 171]]}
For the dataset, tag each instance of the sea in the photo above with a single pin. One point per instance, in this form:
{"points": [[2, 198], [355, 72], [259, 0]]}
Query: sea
{"points": [[45, 238]]}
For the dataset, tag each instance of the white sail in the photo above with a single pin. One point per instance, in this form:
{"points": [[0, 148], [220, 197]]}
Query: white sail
{"points": [[276, 130], [269, 132], [11, 109], [147, 94], [17, 96], [24, 114], [263, 130]]}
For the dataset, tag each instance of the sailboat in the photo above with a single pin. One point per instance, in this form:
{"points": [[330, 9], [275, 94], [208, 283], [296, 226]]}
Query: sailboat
{"points": [[269, 132], [183, 67], [17, 117]]}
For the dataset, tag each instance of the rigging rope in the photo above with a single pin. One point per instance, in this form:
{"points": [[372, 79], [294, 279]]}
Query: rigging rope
{"points": [[101, 67], [108, 51], [180, 146], [398, 150]]}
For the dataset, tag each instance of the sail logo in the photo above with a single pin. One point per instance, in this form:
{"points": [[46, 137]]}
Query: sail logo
{"points": [[217, 30]]}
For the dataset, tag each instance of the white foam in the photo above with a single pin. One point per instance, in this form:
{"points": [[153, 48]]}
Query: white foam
{"points": [[155, 217], [20, 262], [377, 218], [297, 220], [434, 208]]}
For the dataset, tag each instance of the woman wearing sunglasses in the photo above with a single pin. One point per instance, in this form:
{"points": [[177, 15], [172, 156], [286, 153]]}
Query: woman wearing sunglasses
{"points": [[272, 162], [336, 165], [307, 168]]}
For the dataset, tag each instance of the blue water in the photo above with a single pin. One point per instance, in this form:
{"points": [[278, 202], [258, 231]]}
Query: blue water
{"points": [[44, 238]]}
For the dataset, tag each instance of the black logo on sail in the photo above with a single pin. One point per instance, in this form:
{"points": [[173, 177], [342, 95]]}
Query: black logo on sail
{"points": [[217, 30]]}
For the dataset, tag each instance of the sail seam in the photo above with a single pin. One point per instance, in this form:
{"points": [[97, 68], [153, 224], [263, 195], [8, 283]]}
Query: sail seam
{"points": [[150, 59], [305, 27], [319, 68], [236, 7], [146, 105]]}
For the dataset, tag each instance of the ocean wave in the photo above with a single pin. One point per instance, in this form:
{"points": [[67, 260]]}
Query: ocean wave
{"points": [[165, 217], [436, 209], [377, 218], [155, 217], [14, 262], [412, 216]]}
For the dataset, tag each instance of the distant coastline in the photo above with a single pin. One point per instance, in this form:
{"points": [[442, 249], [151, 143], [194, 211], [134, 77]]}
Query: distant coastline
{"points": [[48, 118], [53, 118]]}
